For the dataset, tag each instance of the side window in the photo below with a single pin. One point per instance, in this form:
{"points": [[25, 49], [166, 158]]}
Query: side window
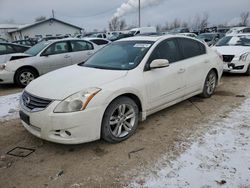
{"points": [[191, 48], [81, 46], [3, 49], [167, 49], [57, 48], [99, 42], [6, 49]]}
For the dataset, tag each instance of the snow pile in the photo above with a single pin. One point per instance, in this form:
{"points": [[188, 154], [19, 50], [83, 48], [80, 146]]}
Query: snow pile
{"points": [[9, 106], [222, 156]]}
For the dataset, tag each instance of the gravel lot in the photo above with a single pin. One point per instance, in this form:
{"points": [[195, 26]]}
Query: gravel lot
{"points": [[169, 134]]}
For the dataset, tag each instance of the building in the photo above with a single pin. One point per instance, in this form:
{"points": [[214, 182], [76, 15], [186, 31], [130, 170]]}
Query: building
{"points": [[45, 28], [5, 29]]}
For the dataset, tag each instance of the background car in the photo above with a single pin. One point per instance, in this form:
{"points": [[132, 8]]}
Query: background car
{"points": [[119, 85], [3, 40], [210, 38], [98, 41], [27, 42], [6, 49], [189, 34], [238, 30], [44, 57], [235, 51]]}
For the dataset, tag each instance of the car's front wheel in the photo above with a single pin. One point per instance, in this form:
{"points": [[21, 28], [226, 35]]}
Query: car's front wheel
{"points": [[210, 84], [120, 120], [24, 76]]}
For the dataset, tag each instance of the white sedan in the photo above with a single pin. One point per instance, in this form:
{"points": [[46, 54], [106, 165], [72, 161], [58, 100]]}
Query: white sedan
{"points": [[123, 83], [44, 57], [235, 51]]}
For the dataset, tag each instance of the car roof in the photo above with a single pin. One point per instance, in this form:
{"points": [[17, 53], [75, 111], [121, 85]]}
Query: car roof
{"points": [[65, 39], [143, 38], [93, 38], [154, 38], [238, 34], [13, 44]]}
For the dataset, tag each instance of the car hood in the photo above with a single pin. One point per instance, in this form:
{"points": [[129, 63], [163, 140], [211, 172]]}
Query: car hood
{"points": [[64, 82], [6, 57], [232, 50]]}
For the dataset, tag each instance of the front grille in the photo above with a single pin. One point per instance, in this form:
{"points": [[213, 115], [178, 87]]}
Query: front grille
{"points": [[227, 58], [32, 102]]}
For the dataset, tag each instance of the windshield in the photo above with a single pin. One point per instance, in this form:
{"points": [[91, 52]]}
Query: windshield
{"points": [[132, 32], [34, 50], [234, 41], [121, 55]]}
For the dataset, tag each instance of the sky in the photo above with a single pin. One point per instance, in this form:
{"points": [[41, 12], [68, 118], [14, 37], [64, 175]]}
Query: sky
{"points": [[95, 14]]}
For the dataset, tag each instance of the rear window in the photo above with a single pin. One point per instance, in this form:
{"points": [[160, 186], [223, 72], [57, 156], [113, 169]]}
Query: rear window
{"points": [[191, 48]]}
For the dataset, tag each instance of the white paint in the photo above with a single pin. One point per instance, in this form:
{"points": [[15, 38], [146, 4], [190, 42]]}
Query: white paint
{"points": [[9, 106], [222, 154]]}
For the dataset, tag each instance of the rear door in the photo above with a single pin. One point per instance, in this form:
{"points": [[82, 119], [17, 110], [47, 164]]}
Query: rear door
{"points": [[164, 85], [196, 63], [56, 56], [81, 50]]}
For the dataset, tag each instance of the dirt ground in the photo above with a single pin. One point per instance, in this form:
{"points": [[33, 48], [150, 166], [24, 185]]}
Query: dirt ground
{"points": [[99, 164]]}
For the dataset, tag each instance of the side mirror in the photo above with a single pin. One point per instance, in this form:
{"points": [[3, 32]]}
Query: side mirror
{"points": [[159, 63], [45, 54]]}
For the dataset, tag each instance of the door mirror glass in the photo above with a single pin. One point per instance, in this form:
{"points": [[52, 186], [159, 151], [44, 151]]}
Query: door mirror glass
{"points": [[159, 63]]}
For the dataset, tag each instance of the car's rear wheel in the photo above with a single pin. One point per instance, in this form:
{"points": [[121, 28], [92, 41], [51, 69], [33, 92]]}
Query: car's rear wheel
{"points": [[210, 84], [248, 70], [120, 120], [24, 76]]}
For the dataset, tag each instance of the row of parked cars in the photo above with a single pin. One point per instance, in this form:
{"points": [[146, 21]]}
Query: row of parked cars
{"points": [[104, 93]]}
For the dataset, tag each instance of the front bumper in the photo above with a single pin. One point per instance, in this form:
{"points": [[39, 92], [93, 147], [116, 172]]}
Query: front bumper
{"points": [[6, 77], [236, 66], [65, 128]]}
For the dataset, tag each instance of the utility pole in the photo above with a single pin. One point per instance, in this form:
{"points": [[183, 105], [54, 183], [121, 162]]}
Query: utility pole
{"points": [[53, 14], [139, 11]]}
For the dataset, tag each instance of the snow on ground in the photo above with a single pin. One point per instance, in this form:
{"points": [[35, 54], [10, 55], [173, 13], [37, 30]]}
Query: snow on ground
{"points": [[220, 159], [9, 106]]}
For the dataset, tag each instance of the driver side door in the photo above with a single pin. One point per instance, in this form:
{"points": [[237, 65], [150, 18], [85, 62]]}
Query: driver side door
{"points": [[56, 56]]}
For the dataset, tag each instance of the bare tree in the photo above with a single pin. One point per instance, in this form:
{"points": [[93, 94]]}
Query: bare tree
{"points": [[244, 18], [123, 24], [40, 18], [175, 24], [204, 21], [115, 24]]}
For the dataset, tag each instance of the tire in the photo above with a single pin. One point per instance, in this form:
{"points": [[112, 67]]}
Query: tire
{"points": [[24, 76], [120, 120], [248, 70], [210, 84]]}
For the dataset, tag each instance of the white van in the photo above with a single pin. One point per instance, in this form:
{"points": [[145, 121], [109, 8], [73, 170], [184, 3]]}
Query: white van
{"points": [[142, 30]]}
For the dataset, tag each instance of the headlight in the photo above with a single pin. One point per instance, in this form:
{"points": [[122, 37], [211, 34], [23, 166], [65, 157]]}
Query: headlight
{"points": [[2, 67], [243, 57], [77, 101]]}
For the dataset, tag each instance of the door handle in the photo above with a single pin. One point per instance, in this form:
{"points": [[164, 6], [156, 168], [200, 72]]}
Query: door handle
{"points": [[181, 70], [89, 53], [66, 56], [206, 61]]}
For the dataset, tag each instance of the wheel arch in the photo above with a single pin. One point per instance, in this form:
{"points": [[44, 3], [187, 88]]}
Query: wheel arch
{"points": [[135, 97], [25, 67]]}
